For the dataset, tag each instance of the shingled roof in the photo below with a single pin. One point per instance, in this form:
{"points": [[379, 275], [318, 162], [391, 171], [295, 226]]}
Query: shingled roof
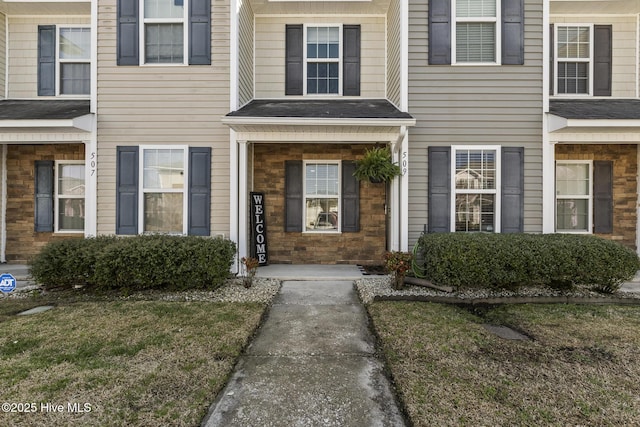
{"points": [[45, 109], [596, 109]]}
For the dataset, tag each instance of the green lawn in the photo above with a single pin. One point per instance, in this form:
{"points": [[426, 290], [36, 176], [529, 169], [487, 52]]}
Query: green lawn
{"points": [[582, 366], [132, 362]]}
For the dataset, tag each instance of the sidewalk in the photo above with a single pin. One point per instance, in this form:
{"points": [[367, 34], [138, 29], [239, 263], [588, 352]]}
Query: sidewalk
{"points": [[312, 363]]}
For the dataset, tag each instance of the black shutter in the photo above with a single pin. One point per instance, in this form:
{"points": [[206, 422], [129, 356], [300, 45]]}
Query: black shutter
{"points": [[602, 53], [294, 60], [293, 195], [512, 32], [439, 32], [602, 196], [127, 37], [199, 191], [43, 220], [351, 60], [46, 60], [200, 32], [439, 176], [552, 47], [350, 198], [127, 190], [512, 190]]}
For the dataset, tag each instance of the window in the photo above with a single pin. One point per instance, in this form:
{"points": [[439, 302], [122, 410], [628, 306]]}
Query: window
{"points": [[476, 31], [74, 56], [573, 196], [475, 189], [322, 196], [164, 31], [69, 195], [323, 60], [163, 204], [573, 59]]}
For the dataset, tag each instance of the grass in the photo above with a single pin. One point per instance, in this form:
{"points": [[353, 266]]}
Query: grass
{"points": [[134, 362], [582, 366]]}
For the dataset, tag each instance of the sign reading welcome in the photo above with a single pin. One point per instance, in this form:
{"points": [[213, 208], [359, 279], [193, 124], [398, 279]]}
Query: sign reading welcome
{"points": [[258, 228]]}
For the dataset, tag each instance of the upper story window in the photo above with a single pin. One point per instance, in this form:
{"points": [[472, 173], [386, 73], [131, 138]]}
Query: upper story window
{"points": [[476, 31], [74, 59], [573, 59], [164, 31], [64, 60], [323, 60]]}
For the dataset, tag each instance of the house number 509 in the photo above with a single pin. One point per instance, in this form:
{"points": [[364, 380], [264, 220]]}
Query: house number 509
{"points": [[92, 163], [405, 162]]}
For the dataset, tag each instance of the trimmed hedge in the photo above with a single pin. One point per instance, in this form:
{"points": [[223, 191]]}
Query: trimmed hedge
{"points": [[137, 262], [510, 260]]}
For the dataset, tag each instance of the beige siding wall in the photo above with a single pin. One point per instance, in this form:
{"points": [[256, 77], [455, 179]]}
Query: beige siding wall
{"points": [[270, 52], [245, 55], [624, 49], [393, 49], [475, 105], [23, 51], [162, 105], [3, 54]]}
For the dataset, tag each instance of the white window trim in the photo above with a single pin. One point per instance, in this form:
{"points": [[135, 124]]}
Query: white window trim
{"points": [[589, 197], [497, 21], [57, 196], [59, 61], [556, 60], [185, 35], [142, 190], [306, 60], [305, 195], [497, 191]]}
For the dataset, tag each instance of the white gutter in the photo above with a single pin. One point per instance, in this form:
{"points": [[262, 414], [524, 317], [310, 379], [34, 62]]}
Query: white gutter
{"points": [[314, 121]]}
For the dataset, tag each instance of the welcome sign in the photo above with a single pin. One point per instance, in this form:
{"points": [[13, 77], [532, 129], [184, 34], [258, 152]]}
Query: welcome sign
{"points": [[258, 228]]}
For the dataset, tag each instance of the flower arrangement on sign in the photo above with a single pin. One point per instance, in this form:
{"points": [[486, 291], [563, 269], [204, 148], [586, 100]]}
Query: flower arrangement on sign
{"points": [[250, 266], [398, 263]]}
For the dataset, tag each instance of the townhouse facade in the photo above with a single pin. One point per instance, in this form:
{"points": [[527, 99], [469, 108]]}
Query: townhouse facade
{"points": [[168, 116]]}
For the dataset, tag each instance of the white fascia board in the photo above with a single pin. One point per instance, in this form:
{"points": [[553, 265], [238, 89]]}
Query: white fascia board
{"points": [[557, 123], [84, 123], [301, 121]]}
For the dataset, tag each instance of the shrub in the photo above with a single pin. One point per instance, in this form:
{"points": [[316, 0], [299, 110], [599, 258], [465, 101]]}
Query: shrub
{"points": [[512, 260], [69, 262], [137, 262]]}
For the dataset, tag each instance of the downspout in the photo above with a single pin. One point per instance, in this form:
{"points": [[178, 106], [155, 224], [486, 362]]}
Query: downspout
{"points": [[3, 208], [234, 160], [548, 148]]}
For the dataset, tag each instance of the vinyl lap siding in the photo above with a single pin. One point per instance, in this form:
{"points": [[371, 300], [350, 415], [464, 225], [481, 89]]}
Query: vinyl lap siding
{"points": [[23, 51], [3, 54], [245, 66], [270, 52], [163, 105], [393, 52], [624, 33], [472, 105]]}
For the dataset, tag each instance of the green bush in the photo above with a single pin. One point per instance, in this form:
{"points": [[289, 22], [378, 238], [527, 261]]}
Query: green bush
{"points": [[69, 262], [511, 260], [137, 262]]}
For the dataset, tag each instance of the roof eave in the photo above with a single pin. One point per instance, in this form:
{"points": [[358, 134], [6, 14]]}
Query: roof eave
{"points": [[557, 123], [84, 123], [232, 121]]}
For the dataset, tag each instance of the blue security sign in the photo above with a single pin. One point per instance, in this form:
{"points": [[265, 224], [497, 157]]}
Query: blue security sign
{"points": [[7, 283]]}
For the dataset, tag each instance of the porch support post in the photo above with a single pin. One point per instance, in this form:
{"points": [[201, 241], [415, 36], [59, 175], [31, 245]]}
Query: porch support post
{"points": [[394, 205], [3, 205], [404, 193], [91, 183], [638, 201], [243, 199], [548, 185]]}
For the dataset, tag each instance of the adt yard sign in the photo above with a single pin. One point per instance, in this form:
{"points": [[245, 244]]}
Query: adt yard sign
{"points": [[7, 283]]}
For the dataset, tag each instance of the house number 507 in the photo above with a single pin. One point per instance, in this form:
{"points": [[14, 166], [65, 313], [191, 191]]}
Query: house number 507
{"points": [[405, 162], [92, 163]]}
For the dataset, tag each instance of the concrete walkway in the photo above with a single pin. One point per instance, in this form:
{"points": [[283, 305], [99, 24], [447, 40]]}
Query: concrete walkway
{"points": [[313, 363]]}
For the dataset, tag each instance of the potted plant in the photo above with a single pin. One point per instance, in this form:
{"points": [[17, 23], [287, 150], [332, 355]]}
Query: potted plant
{"points": [[377, 166], [398, 263], [250, 266]]}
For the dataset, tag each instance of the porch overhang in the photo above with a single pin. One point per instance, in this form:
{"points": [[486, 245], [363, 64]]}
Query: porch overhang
{"points": [[319, 120], [36, 116], [597, 115]]}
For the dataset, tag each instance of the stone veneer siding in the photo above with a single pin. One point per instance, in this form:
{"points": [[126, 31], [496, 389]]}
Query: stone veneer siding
{"points": [[625, 182], [22, 241], [364, 247]]}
